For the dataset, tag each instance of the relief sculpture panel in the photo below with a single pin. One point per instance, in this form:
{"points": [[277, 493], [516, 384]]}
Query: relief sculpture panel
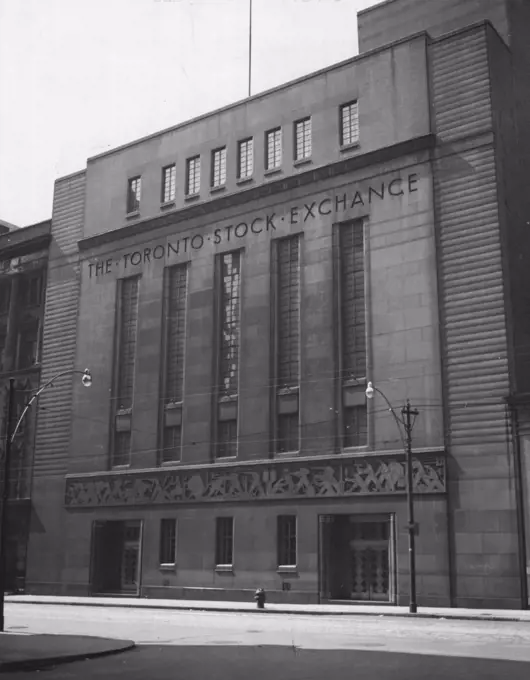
{"points": [[268, 481]]}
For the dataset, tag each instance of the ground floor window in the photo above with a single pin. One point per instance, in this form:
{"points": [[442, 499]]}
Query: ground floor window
{"points": [[286, 537], [224, 543], [168, 541]]}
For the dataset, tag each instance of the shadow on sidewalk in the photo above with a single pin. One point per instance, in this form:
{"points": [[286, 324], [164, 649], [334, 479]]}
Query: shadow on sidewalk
{"points": [[231, 662]]}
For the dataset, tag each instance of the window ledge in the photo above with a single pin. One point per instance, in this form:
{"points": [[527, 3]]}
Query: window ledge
{"points": [[288, 390], [169, 463], [272, 171], [223, 459], [287, 569], [124, 412], [172, 405], [191, 197], [121, 467], [167, 205], [244, 180], [354, 382], [228, 398], [133, 215], [218, 190], [224, 568], [360, 450], [287, 454], [344, 148], [167, 567], [302, 161]]}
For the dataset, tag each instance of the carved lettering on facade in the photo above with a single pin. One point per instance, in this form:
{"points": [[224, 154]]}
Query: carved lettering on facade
{"points": [[325, 480]]}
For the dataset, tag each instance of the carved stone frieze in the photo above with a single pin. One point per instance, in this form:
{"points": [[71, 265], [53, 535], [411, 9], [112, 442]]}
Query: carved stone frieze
{"points": [[297, 480]]}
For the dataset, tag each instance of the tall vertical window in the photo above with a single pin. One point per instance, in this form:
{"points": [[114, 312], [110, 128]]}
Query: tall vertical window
{"points": [[193, 175], [286, 537], [126, 357], [349, 124], [169, 183], [273, 149], [174, 323], [168, 542], [218, 178], [134, 190], [228, 323], [302, 139], [288, 343], [224, 541], [353, 333], [245, 158]]}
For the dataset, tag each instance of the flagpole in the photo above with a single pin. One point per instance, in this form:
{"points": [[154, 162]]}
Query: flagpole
{"points": [[250, 49]]}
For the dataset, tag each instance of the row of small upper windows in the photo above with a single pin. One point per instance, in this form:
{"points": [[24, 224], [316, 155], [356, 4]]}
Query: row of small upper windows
{"points": [[349, 135]]}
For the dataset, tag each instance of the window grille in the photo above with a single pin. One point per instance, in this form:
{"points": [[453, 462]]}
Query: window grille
{"points": [[286, 536], [227, 438], [349, 124], [218, 178], [134, 194], [273, 145], [175, 325], [230, 264], [302, 139], [193, 175], [224, 544], [353, 313], [245, 159], [169, 183], [171, 443], [288, 311], [168, 541]]}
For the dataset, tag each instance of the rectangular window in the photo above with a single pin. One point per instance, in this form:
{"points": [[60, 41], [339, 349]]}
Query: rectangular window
{"points": [[134, 189], [286, 536], [169, 183], [128, 295], [353, 333], [302, 139], [273, 149], [245, 158], [174, 323], [218, 178], [228, 333], [168, 541], [224, 541], [193, 175], [287, 344], [349, 124]]}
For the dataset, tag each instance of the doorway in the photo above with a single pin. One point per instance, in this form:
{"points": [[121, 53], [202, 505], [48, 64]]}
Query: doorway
{"points": [[357, 558], [116, 556]]}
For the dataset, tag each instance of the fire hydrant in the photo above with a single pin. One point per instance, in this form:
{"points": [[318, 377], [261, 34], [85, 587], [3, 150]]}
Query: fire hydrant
{"points": [[260, 598]]}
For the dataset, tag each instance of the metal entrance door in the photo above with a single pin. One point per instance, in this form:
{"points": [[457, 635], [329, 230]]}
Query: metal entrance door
{"points": [[116, 555], [370, 559]]}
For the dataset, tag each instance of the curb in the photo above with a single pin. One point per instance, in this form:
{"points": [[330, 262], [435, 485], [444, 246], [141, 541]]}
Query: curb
{"points": [[45, 662], [235, 610]]}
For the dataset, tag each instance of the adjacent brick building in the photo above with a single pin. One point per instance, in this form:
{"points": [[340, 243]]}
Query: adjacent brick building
{"points": [[234, 282], [23, 272]]}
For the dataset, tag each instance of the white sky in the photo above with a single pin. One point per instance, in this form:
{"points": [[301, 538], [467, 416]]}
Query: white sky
{"points": [[78, 77]]}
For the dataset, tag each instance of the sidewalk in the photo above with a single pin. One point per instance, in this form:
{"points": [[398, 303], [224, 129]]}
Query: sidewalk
{"points": [[300, 609], [33, 652]]}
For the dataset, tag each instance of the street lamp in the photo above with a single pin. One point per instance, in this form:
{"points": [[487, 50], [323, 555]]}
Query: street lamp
{"points": [[407, 420], [86, 381]]}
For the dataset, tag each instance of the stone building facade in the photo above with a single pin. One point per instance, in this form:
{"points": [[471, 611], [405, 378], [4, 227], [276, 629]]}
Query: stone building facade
{"points": [[234, 282], [23, 273]]}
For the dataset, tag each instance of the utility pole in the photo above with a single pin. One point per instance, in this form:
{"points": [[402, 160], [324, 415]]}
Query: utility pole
{"points": [[5, 496], [408, 413]]}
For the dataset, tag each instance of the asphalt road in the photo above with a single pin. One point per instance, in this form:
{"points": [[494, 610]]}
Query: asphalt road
{"points": [[209, 645]]}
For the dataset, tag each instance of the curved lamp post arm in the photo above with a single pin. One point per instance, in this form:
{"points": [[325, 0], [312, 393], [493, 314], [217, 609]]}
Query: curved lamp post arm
{"points": [[87, 381], [370, 389]]}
